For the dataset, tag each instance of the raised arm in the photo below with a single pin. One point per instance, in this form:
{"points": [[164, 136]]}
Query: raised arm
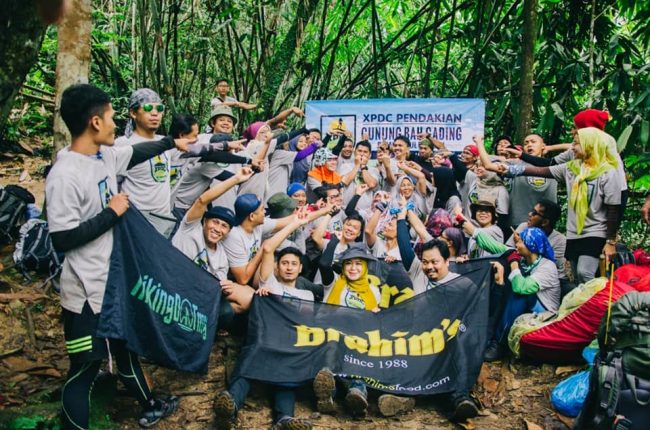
{"points": [[284, 115], [326, 262], [418, 226], [421, 184], [272, 243], [199, 207]]}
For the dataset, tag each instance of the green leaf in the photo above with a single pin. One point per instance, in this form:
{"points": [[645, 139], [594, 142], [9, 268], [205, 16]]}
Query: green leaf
{"points": [[645, 134], [621, 143], [558, 111]]}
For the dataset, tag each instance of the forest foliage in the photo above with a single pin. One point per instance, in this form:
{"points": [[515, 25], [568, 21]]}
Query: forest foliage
{"points": [[589, 53]]}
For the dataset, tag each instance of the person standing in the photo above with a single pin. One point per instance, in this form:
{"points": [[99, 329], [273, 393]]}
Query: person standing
{"points": [[83, 205]]}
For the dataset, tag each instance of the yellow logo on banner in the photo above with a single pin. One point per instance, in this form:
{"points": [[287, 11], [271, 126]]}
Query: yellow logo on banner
{"points": [[426, 343]]}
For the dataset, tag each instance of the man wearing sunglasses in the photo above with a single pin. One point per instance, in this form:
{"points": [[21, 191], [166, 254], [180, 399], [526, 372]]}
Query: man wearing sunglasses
{"points": [[148, 183], [545, 215]]}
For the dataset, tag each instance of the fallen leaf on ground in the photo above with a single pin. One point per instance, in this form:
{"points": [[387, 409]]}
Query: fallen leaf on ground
{"points": [[20, 364], [532, 426], [490, 385], [468, 425], [566, 369]]}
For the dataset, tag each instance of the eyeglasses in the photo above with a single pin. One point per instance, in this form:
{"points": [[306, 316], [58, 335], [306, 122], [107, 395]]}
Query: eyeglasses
{"points": [[534, 212], [148, 107]]}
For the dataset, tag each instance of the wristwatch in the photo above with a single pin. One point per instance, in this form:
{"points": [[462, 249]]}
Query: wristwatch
{"points": [[611, 242]]}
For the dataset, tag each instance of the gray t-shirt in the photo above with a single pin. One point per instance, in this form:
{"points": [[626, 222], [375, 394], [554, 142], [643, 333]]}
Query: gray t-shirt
{"points": [[78, 188], [148, 182], [526, 191], [190, 241], [545, 273], [366, 199], [380, 251], [604, 190], [258, 183], [242, 246], [279, 289], [558, 243], [421, 282], [472, 247], [499, 193], [280, 168], [194, 182]]}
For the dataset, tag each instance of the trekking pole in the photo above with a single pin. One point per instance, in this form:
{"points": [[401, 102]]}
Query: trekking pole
{"points": [[609, 301]]}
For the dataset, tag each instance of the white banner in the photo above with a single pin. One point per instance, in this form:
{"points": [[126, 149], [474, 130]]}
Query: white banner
{"points": [[452, 121]]}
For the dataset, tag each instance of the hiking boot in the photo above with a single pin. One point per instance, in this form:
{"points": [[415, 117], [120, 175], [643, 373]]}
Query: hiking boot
{"points": [[493, 352], [464, 408], [291, 423], [225, 410], [163, 408], [356, 402], [324, 386], [390, 405]]}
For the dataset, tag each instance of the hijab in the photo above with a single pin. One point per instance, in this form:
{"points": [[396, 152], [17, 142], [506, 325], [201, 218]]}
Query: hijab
{"points": [[598, 159], [361, 287]]}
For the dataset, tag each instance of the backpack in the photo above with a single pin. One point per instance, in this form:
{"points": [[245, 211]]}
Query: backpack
{"points": [[13, 202], [35, 252], [619, 383]]}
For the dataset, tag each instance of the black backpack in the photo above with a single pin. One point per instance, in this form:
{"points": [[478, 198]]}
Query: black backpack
{"points": [[619, 383], [13, 202], [35, 252]]}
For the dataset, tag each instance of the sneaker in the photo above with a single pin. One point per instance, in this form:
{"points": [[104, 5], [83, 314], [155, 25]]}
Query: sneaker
{"points": [[493, 352], [291, 423], [225, 410], [464, 408], [356, 402], [324, 386], [163, 408], [390, 405]]}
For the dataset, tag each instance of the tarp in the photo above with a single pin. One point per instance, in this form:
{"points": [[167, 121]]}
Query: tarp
{"points": [[432, 343], [452, 121], [160, 302]]}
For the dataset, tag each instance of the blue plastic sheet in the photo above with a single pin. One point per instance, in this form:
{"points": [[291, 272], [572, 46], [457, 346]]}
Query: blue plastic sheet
{"points": [[569, 395]]}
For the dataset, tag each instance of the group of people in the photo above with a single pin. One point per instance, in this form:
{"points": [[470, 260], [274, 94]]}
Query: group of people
{"points": [[302, 214]]}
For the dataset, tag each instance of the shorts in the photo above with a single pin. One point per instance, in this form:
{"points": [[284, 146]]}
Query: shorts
{"points": [[81, 341]]}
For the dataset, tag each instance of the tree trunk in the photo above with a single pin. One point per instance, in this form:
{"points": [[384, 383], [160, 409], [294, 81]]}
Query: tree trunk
{"points": [[72, 61], [21, 36], [280, 64], [525, 96]]}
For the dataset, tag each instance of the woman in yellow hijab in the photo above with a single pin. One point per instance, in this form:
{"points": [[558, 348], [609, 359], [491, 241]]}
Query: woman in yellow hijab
{"points": [[594, 194], [353, 287]]}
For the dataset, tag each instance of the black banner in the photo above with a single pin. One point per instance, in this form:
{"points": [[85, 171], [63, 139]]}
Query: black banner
{"points": [[432, 343], [160, 302]]}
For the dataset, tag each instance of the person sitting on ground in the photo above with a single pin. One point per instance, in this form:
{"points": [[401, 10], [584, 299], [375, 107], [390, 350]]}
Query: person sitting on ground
{"points": [[535, 284], [287, 267], [432, 271], [245, 239], [545, 215], [352, 288], [484, 215], [200, 237]]}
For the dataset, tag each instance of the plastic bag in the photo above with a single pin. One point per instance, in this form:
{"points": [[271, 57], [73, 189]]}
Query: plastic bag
{"points": [[568, 396]]}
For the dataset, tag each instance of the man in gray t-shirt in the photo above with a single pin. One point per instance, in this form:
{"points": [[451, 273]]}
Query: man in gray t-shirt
{"points": [[148, 183], [83, 205]]}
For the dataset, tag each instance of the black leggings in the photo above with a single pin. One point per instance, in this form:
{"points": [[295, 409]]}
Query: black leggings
{"points": [[76, 390]]}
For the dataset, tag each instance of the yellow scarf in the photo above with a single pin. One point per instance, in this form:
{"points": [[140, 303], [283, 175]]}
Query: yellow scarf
{"points": [[361, 287], [598, 160]]}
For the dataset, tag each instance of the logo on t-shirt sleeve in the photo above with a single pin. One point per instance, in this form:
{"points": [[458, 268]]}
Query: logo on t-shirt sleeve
{"points": [[201, 259], [105, 193]]}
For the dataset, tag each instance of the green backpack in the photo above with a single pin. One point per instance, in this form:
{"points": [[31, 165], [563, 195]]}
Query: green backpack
{"points": [[619, 384]]}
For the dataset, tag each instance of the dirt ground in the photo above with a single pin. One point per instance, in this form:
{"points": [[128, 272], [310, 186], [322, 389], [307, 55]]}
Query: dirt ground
{"points": [[33, 364]]}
